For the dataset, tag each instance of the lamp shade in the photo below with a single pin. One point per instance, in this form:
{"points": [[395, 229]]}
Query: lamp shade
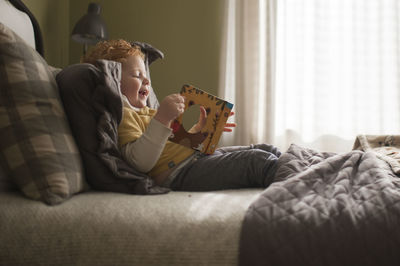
{"points": [[91, 28]]}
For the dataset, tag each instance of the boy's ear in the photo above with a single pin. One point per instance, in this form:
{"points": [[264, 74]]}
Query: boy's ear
{"points": [[151, 52]]}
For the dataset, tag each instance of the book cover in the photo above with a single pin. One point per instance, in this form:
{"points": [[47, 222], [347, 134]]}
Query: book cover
{"points": [[218, 111]]}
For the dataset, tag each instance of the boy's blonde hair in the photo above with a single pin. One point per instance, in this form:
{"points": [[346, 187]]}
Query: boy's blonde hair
{"points": [[115, 50]]}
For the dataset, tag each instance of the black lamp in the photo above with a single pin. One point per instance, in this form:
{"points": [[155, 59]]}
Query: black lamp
{"points": [[91, 28]]}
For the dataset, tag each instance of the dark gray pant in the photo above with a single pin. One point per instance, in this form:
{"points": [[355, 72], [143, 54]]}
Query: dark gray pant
{"points": [[229, 168]]}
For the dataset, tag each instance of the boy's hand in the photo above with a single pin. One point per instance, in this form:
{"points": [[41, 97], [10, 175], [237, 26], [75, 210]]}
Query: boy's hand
{"points": [[170, 108], [228, 126], [202, 121]]}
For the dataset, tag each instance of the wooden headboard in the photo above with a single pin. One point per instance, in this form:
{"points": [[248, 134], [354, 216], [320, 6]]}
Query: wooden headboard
{"points": [[15, 15]]}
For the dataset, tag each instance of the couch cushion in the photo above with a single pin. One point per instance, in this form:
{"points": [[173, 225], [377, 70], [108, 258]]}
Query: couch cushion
{"points": [[37, 149]]}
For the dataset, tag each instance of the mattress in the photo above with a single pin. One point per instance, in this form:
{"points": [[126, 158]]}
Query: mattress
{"points": [[98, 228]]}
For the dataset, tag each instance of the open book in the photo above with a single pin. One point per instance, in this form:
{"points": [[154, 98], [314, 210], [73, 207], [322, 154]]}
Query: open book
{"points": [[218, 111]]}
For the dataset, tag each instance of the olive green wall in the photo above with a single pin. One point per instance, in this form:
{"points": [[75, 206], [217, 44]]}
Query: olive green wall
{"points": [[53, 18], [187, 31]]}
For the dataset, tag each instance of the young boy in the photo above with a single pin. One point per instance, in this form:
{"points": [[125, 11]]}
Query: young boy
{"points": [[143, 135]]}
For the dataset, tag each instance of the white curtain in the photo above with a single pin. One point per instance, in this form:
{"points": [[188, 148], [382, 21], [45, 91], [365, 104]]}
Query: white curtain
{"points": [[312, 72]]}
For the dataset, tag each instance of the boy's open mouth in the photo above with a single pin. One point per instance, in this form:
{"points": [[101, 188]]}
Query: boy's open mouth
{"points": [[143, 92]]}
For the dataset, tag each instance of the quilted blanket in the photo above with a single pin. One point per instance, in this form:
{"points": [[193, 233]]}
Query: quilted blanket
{"points": [[325, 209]]}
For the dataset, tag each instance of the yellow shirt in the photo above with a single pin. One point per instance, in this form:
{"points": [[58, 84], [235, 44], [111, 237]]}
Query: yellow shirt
{"points": [[133, 125]]}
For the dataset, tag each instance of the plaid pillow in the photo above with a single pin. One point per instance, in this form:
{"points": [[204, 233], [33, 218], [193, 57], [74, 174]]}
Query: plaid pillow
{"points": [[5, 182], [37, 149]]}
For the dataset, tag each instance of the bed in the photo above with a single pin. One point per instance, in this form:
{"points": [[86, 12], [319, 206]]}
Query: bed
{"points": [[321, 209]]}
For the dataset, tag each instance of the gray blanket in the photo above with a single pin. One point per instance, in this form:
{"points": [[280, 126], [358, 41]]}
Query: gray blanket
{"points": [[325, 209], [92, 102]]}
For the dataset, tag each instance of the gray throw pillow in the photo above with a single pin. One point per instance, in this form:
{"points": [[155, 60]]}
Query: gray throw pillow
{"points": [[37, 150]]}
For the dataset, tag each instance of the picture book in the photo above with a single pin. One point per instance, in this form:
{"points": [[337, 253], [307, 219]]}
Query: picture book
{"points": [[218, 111]]}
